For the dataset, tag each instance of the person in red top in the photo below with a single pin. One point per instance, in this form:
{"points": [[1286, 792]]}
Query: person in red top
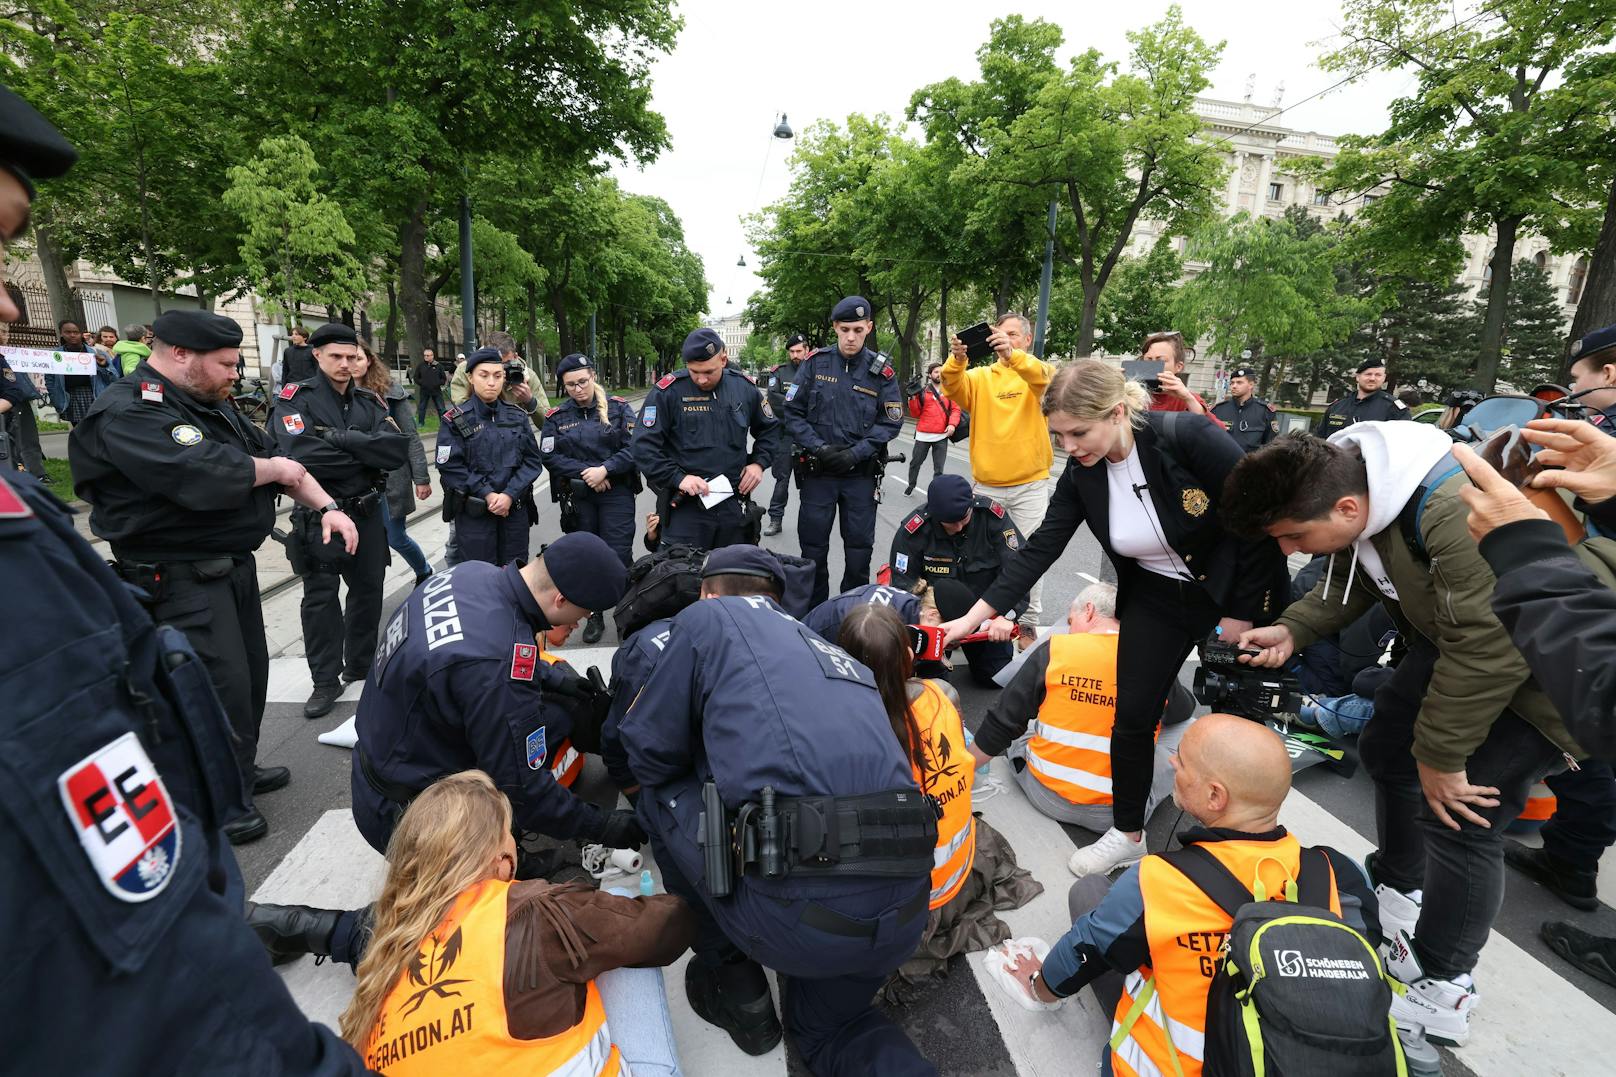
{"points": [[1173, 395], [936, 418]]}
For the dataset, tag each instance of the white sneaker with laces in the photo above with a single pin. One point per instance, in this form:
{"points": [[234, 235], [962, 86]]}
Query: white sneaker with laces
{"points": [[1441, 1007], [1399, 910], [1113, 850]]}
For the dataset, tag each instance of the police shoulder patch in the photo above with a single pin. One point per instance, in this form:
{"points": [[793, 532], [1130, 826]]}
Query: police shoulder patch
{"points": [[619, 400], [289, 390], [791, 392], [996, 508], [292, 422], [537, 749], [665, 382], [1269, 406], [524, 660], [768, 412], [444, 451], [912, 524], [901, 562], [895, 411], [1011, 539], [185, 434], [120, 809], [451, 412], [149, 390], [547, 444], [12, 506], [886, 372], [557, 408]]}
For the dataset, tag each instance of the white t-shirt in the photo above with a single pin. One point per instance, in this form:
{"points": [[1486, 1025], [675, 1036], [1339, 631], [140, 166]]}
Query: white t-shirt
{"points": [[1136, 530]]}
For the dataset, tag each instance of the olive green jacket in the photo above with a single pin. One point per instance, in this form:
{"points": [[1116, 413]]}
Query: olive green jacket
{"points": [[1478, 672]]}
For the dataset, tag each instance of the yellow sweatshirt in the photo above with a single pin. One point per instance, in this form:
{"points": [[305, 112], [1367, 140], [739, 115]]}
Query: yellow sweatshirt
{"points": [[1009, 438]]}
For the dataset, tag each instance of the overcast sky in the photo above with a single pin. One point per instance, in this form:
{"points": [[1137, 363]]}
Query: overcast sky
{"points": [[738, 64]]}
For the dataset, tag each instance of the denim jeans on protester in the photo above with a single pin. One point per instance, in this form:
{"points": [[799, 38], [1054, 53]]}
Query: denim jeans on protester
{"points": [[636, 1005], [1461, 871], [398, 537], [1340, 716]]}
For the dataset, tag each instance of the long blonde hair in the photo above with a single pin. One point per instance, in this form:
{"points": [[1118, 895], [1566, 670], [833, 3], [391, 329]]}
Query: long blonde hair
{"points": [[1089, 390], [445, 843]]}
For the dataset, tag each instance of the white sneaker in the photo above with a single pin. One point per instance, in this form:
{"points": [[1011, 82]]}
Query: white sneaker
{"points": [[1441, 1007], [1113, 850], [1399, 910]]}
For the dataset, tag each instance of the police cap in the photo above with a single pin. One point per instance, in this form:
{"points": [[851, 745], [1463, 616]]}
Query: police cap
{"points": [[1600, 340], [575, 361], [198, 330], [1370, 364], [743, 560], [481, 356], [948, 498], [702, 344], [30, 146], [1243, 372], [855, 308], [333, 333], [584, 569], [794, 339]]}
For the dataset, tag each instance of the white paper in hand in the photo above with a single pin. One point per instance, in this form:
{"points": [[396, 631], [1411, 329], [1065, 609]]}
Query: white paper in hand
{"points": [[718, 491], [998, 960]]}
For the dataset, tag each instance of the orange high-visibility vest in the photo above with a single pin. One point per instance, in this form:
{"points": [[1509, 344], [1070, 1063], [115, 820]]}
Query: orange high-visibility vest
{"points": [[1070, 745], [1187, 931], [447, 1014], [567, 762], [949, 774]]}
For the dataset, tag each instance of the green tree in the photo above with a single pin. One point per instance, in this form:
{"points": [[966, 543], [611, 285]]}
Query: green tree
{"points": [[1423, 333], [1503, 134], [1534, 328], [1138, 301]]}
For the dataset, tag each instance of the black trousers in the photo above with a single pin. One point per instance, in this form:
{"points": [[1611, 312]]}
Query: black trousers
{"points": [[1162, 620], [937, 450], [332, 632], [1584, 822], [219, 610], [781, 470]]}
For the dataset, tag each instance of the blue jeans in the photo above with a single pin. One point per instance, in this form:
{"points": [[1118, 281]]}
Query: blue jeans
{"points": [[636, 1003], [399, 539], [1340, 716]]}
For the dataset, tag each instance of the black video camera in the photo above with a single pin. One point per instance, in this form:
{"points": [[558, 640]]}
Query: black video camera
{"points": [[515, 374], [1225, 684]]}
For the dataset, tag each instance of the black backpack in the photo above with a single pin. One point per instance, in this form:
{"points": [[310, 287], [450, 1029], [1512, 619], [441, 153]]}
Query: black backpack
{"points": [[1298, 991], [659, 585]]}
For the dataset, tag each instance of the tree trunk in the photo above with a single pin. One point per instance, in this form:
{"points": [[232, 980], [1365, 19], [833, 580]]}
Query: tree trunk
{"points": [[390, 332], [942, 317], [531, 343], [412, 299], [1001, 297], [1085, 325], [54, 267], [1597, 305], [1490, 348], [558, 310]]}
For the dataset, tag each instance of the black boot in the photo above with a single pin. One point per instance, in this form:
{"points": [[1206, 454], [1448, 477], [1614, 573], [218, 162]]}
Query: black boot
{"points": [[249, 827], [321, 700], [736, 998], [1593, 954], [1579, 889], [594, 627], [776, 525], [290, 931], [269, 779]]}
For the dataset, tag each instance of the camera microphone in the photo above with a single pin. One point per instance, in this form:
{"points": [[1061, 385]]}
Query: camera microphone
{"points": [[1139, 487]]}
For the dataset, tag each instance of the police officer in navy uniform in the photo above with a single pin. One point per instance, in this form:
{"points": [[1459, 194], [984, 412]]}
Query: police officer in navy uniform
{"points": [[347, 439], [826, 618], [693, 429], [489, 462], [1371, 403], [121, 902], [841, 411], [183, 489], [1250, 421], [780, 379], [587, 445], [750, 720], [959, 542]]}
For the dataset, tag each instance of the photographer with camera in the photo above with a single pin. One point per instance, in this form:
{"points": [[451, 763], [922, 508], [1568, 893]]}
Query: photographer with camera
{"points": [[1150, 487], [1167, 389], [1460, 732], [522, 389]]}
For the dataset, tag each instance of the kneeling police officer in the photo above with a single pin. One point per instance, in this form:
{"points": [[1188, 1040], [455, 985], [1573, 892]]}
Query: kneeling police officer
{"points": [[782, 809], [489, 463]]}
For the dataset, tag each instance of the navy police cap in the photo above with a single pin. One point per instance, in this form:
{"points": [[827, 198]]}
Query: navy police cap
{"points": [[702, 344], [481, 356], [744, 560], [794, 339], [1243, 372], [198, 330], [575, 361], [585, 570], [855, 308], [331, 333], [1599, 340], [948, 498], [1370, 364]]}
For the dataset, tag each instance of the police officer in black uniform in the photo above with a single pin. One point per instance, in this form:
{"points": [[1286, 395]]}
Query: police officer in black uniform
{"points": [[841, 411], [489, 463], [183, 488], [780, 379], [347, 439], [958, 542], [121, 903], [693, 429], [833, 900], [1371, 403], [1250, 421], [587, 445]]}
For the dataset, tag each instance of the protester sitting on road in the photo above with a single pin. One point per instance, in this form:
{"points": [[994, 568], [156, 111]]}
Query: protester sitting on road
{"points": [[565, 979], [1155, 506], [936, 418], [404, 484], [1053, 720], [1230, 775], [1339, 674]]}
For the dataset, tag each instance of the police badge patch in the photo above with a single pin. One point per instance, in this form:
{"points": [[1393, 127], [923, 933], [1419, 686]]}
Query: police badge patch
{"points": [[791, 392], [185, 434], [894, 411], [547, 444], [768, 412], [536, 749], [1195, 501], [118, 805], [901, 562], [293, 423], [1011, 540], [648, 416], [443, 453]]}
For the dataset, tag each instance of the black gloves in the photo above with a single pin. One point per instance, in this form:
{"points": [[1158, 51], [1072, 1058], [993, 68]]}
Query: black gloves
{"points": [[835, 459], [620, 830], [565, 681]]}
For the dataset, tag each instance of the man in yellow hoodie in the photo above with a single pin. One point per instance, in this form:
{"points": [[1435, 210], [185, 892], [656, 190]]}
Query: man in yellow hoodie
{"points": [[1010, 448]]}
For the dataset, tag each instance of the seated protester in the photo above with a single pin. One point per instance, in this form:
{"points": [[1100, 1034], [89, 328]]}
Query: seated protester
{"points": [[968, 879], [826, 618], [1340, 673], [1053, 720], [1461, 731], [489, 462], [1231, 775], [564, 979], [959, 542]]}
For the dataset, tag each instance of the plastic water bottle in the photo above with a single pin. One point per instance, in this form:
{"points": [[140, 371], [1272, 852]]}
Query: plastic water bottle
{"points": [[647, 884]]}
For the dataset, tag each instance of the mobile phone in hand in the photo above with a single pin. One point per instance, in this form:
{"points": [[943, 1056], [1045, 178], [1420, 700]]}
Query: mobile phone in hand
{"points": [[975, 339]]}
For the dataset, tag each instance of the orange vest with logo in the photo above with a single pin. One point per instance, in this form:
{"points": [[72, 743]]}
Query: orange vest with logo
{"points": [[949, 774], [1186, 931], [567, 762], [1070, 747], [447, 1014]]}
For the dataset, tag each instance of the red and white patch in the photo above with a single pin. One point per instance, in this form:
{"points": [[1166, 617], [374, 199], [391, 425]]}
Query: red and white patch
{"points": [[152, 391], [665, 382], [125, 820], [886, 372], [524, 660], [293, 423], [289, 390], [998, 509], [12, 506], [912, 524]]}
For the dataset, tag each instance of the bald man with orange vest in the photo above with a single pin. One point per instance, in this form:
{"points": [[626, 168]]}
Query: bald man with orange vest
{"points": [[1157, 928]]}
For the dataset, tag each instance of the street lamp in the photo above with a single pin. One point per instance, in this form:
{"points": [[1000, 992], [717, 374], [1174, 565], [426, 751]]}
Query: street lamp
{"points": [[741, 261], [783, 129]]}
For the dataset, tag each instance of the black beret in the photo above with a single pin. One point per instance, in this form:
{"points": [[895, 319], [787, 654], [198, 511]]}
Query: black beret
{"points": [[1370, 364], [333, 333], [1243, 372], [30, 145], [794, 339], [702, 344], [948, 498], [1597, 341], [584, 569], [743, 560], [198, 330], [575, 361], [481, 356], [855, 308]]}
